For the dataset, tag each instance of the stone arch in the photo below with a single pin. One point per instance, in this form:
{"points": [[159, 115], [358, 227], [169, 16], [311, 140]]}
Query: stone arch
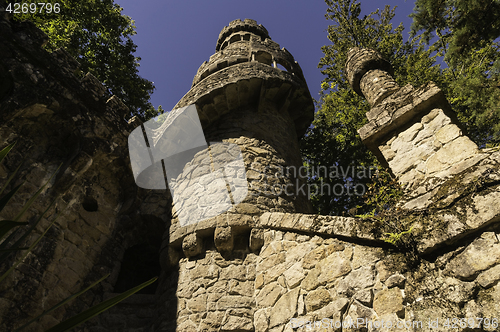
{"points": [[141, 260], [263, 57]]}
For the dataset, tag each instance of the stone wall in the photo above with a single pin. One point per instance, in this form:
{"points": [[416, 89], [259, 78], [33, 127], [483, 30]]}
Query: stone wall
{"points": [[310, 271], [68, 127], [216, 293], [428, 149], [306, 278]]}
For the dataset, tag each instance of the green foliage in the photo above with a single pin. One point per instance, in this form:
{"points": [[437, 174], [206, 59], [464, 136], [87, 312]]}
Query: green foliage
{"points": [[6, 247], [463, 25], [470, 81], [464, 33], [383, 193], [98, 35], [381, 197], [334, 139], [394, 238]]}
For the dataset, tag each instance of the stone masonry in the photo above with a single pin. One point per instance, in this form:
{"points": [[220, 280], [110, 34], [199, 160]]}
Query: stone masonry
{"points": [[268, 264], [242, 98], [61, 120]]}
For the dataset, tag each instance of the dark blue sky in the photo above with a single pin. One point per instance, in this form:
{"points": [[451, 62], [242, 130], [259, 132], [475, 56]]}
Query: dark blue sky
{"points": [[174, 37]]}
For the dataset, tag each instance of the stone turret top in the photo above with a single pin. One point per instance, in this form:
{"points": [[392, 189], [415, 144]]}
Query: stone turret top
{"points": [[249, 68], [370, 75], [247, 25], [362, 60]]}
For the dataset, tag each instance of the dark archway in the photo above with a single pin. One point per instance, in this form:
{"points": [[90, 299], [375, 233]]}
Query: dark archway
{"points": [[140, 263]]}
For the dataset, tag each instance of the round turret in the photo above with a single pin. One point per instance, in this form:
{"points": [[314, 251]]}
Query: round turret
{"points": [[247, 56], [370, 75], [250, 96], [240, 30]]}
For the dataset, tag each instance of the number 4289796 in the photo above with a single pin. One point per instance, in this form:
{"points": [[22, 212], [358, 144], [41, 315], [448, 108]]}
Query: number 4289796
{"points": [[40, 7]]}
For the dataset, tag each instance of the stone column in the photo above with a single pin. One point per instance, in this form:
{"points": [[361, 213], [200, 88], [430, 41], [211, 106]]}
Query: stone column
{"points": [[413, 131], [243, 101]]}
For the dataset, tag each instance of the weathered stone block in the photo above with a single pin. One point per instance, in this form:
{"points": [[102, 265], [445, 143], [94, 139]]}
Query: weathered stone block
{"points": [[192, 245], [285, 308], [256, 239], [451, 153], [389, 301], [268, 296], [489, 277], [294, 275], [224, 239], [334, 266], [477, 257], [448, 133], [317, 299], [356, 280]]}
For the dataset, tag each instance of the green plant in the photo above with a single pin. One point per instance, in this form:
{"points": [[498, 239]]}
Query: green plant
{"points": [[15, 226], [99, 36], [382, 197], [394, 238], [369, 215]]}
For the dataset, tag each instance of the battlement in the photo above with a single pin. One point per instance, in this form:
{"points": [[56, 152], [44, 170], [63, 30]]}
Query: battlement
{"points": [[237, 26], [244, 46], [27, 41], [235, 76]]}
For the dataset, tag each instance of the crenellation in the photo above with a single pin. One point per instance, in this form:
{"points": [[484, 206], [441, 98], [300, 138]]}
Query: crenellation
{"points": [[92, 84], [236, 26]]}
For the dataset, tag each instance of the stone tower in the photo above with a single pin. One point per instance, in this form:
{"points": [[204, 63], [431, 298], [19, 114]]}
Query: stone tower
{"points": [[413, 131], [263, 265], [251, 93]]}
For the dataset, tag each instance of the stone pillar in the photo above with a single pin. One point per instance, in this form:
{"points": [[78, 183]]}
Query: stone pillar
{"points": [[413, 131], [242, 100]]}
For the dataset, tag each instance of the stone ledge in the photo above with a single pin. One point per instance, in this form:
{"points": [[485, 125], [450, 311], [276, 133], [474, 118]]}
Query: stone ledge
{"points": [[251, 82], [353, 228], [430, 233], [442, 189], [399, 109], [462, 210], [206, 228]]}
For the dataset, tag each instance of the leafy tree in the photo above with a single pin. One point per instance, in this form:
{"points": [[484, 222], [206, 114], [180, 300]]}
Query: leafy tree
{"points": [[98, 35], [469, 80], [465, 33], [463, 25], [333, 141]]}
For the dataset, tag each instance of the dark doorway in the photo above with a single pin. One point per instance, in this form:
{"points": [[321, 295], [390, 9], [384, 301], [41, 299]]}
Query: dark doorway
{"points": [[140, 263]]}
